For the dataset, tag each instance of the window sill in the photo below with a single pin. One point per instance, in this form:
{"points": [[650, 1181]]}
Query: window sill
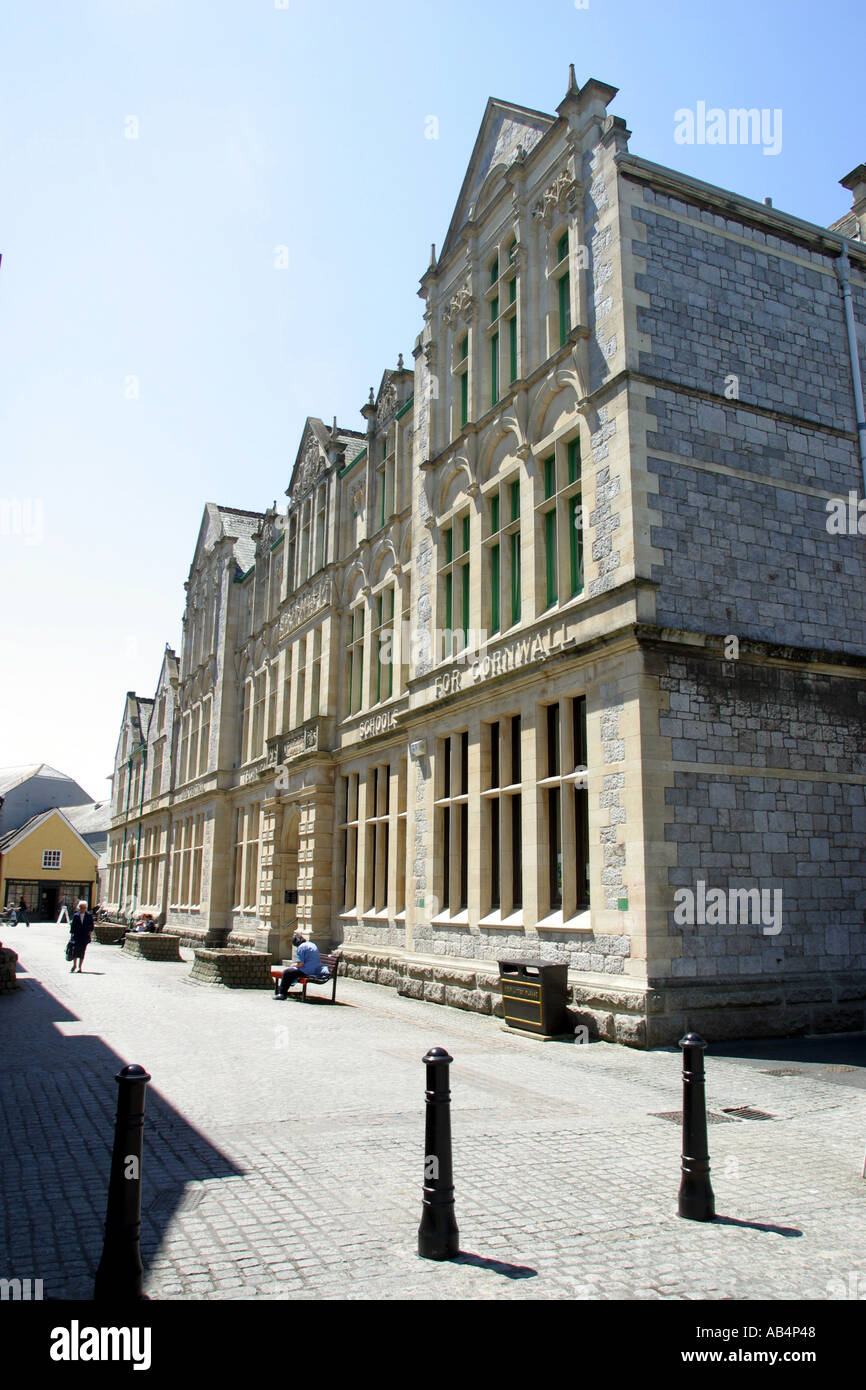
{"points": [[445, 919], [495, 919], [580, 922]]}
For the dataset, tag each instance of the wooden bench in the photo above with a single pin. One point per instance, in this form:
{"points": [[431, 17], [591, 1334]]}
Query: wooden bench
{"points": [[332, 963]]}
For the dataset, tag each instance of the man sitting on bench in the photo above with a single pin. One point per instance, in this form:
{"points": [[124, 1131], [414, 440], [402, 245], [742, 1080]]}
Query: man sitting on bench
{"points": [[309, 965]]}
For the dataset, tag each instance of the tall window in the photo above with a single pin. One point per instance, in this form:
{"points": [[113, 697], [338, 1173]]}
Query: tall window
{"points": [[273, 686], [184, 747], [463, 374], [385, 477], [494, 335], [349, 830], [321, 527], [192, 769], [258, 729], [291, 552], [156, 774], [563, 807], [383, 644], [316, 674], [245, 890], [502, 330], [357, 623], [377, 837], [245, 721], [287, 688], [560, 518], [204, 744], [511, 312], [502, 553], [301, 682], [452, 811], [454, 584], [502, 886], [562, 285], [402, 833]]}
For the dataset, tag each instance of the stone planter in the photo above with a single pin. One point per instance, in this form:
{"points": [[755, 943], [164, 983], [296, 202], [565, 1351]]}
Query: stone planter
{"points": [[108, 933], [8, 961], [232, 969], [152, 946]]}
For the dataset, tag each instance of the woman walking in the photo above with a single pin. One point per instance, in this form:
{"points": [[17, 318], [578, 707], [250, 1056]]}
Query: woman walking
{"points": [[80, 929]]}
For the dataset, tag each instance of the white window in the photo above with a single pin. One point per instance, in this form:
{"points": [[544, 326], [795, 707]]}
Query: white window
{"points": [[51, 858]]}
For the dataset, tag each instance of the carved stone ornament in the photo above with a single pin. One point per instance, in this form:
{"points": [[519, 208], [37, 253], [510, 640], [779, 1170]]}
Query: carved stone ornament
{"points": [[310, 468], [356, 499], [388, 406], [271, 530], [559, 196], [303, 608], [459, 306]]}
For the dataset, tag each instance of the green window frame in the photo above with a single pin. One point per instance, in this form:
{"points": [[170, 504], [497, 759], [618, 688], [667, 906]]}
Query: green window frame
{"points": [[550, 555], [494, 369], [512, 347], [515, 578], [549, 477], [464, 398], [494, 588], [575, 531], [564, 288]]}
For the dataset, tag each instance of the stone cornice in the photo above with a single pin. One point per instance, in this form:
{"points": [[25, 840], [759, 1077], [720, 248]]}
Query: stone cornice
{"points": [[735, 205]]}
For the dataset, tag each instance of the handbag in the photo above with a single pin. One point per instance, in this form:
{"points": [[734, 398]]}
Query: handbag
{"points": [[70, 948]]}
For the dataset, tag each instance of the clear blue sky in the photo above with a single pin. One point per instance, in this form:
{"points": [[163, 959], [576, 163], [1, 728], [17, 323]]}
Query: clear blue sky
{"points": [[154, 258]]}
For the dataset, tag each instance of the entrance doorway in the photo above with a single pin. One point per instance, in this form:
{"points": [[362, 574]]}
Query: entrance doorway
{"points": [[49, 902]]}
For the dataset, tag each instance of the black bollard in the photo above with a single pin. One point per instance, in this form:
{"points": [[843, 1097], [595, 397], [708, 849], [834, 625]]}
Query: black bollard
{"points": [[119, 1274], [438, 1237], [696, 1202]]}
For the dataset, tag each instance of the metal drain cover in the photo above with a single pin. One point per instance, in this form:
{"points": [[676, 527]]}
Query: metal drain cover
{"points": [[784, 1071], [838, 1069], [747, 1112], [677, 1117]]}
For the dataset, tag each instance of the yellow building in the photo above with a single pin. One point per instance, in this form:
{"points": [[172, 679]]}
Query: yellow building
{"points": [[46, 862]]}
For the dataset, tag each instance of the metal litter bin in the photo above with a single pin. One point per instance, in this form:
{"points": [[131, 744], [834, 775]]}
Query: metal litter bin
{"points": [[534, 996]]}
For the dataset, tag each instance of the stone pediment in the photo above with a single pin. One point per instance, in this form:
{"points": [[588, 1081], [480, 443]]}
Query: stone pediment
{"points": [[507, 132], [311, 462]]}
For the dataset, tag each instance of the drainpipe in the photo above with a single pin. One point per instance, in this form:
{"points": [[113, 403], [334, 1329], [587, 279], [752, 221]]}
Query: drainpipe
{"points": [[843, 274]]}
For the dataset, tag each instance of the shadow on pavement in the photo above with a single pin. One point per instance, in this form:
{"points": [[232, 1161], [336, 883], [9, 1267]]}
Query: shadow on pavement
{"points": [[788, 1231], [58, 1100], [465, 1257]]}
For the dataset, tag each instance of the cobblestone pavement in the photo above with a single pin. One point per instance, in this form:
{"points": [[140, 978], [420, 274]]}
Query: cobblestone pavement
{"points": [[284, 1150]]}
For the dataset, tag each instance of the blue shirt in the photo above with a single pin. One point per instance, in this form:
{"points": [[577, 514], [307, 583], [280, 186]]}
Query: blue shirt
{"points": [[310, 961]]}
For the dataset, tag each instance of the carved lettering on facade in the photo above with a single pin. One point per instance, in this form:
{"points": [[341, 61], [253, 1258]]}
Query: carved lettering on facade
{"points": [[301, 609], [377, 724], [497, 663]]}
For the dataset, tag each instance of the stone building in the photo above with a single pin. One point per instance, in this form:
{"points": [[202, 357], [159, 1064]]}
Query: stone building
{"points": [[563, 655]]}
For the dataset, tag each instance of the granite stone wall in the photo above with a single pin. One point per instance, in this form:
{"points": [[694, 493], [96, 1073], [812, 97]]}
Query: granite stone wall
{"points": [[791, 818]]}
